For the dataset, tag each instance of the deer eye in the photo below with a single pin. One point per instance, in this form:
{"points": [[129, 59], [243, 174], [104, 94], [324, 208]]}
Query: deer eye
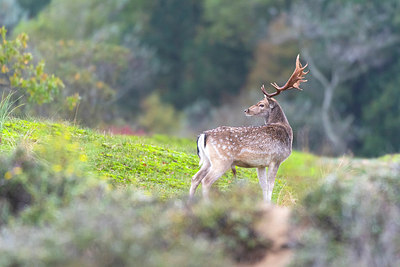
{"points": [[261, 105]]}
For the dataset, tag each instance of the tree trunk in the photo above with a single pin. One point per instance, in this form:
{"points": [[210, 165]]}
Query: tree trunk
{"points": [[338, 144]]}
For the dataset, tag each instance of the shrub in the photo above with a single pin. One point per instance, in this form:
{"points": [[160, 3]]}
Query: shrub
{"points": [[41, 181], [7, 106], [129, 228], [231, 223], [18, 73], [352, 222], [158, 116]]}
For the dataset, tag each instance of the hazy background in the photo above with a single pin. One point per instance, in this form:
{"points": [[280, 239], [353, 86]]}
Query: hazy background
{"points": [[182, 66]]}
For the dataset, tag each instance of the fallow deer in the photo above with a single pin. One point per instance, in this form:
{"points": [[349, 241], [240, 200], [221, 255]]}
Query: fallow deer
{"points": [[258, 147]]}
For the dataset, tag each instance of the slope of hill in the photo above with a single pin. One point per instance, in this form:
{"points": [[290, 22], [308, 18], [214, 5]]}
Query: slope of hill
{"points": [[160, 165]]}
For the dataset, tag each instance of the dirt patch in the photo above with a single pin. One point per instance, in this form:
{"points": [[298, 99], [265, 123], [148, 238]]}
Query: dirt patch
{"points": [[274, 225]]}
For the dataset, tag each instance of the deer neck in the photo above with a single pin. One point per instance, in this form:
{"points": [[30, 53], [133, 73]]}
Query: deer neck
{"points": [[276, 116]]}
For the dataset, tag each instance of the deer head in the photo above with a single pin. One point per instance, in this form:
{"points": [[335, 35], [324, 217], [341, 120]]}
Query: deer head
{"points": [[264, 107]]}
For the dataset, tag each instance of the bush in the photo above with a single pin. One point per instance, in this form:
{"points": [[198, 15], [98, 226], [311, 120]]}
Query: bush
{"points": [[158, 116], [129, 228], [39, 182], [352, 222]]}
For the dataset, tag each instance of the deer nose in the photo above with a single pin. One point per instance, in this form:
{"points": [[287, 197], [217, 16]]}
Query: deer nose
{"points": [[246, 110]]}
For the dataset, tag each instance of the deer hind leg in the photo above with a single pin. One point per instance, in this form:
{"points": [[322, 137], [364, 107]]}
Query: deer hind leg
{"points": [[198, 177], [216, 171], [234, 172]]}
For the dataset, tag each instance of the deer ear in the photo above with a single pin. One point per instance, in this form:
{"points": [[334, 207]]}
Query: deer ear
{"points": [[271, 106]]}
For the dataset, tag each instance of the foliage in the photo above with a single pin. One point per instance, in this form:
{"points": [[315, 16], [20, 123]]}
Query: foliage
{"points": [[107, 80], [52, 22], [231, 221], [7, 106], [92, 232], [10, 13], [201, 43], [159, 117], [40, 183], [33, 7], [342, 40], [378, 107], [351, 222], [18, 73], [92, 74]]}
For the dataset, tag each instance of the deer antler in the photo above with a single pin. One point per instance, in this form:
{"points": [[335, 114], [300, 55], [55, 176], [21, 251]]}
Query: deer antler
{"points": [[293, 82]]}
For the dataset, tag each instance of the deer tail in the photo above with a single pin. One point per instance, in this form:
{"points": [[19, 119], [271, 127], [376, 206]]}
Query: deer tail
{"points": [[201, 147]]}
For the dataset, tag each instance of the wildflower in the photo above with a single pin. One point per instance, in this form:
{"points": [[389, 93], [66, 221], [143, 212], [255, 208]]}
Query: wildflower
{"points": [[99, 85], [57, 167], [83, 158], [17, 170], [67, 136], [8, 175]]}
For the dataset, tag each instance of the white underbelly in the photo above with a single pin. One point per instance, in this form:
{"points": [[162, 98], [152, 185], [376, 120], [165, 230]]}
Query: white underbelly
{"points": [[256, 158]]}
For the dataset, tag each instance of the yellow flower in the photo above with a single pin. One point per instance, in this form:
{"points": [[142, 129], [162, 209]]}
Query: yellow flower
{"points": [[99, 85], [17, 170], [4, 69], [8, 175], [57, 168], [67, 136], [83, 158]]}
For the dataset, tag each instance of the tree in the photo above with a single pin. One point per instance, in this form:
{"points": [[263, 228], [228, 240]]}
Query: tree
{"points": [[19, 74], [88, 53], [10, 13], [170, 31], [341, 40], [378, 111], [33, 7], [92, 72]]}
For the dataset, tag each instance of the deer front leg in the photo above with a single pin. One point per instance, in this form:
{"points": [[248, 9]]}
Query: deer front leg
{"points": [[272, 170], [262, 179]]}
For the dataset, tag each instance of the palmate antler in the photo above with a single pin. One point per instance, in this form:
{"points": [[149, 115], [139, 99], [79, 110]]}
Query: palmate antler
{"points": [[293, 82]]}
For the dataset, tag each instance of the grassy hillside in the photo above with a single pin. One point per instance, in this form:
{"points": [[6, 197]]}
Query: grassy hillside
{"points": [[160, 165]]}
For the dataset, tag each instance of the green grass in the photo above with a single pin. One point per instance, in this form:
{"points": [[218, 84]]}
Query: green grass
{"points": [[159, 165]]}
